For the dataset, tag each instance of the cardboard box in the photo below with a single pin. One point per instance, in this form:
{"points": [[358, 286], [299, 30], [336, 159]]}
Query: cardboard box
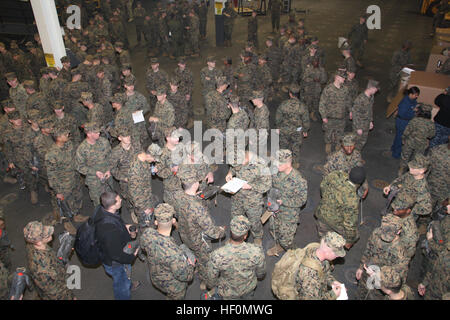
{"points": [[435, 56], [430, 85]]}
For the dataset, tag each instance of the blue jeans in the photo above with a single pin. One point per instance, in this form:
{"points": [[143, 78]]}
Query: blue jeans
{"points": [[121, 280], [400, 126], [441, 136]]}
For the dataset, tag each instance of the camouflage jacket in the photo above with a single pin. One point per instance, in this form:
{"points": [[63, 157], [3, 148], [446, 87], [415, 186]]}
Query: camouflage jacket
{"points": [[179, 103], [409, 235], [439, 176], [208, 79], [194, 221], [140, 184], [418, 131], [349, 63], [399, 60], [293, 188], [37, 101], [263, 77], [257, 176], [72, 94], [217, 112], [239, 120], [41, 145], [124, 57], [156, 79], [170, 180], [353, 90], [19, 97], [56, 89], [262, 118], [136, 102], [291, 115], [334, 102], [167, 261], [362, 112], [358, 34], [338, 207], [246, 79], [92, 158], [274, 58], [5, 281], [48, 274], [70, 123], [97, 114], [312, 284], [165, 112], [234, 269], [186, 80], [121, 160], [437, 278], [61, 169], [17, 147], [313, 79], [418, 190], [381, 253]]}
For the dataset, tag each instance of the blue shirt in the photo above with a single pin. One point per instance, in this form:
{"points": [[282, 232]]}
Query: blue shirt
{"points": [[406, 108]]}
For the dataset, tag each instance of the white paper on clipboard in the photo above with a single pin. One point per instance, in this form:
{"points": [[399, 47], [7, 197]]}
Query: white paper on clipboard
{"points": [[138, 116], [234, 185]]}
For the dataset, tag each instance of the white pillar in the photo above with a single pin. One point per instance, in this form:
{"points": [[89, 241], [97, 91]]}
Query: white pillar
{"points": [[49, 31]]}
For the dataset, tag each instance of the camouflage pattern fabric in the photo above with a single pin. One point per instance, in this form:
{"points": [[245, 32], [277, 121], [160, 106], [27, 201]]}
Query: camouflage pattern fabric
{"points": [[217, 112], [312, 81], [439, 177], [140, 185], [416, 138], [171, 182], [362, 116], [436, 280], [19, 97], [208, 79]]}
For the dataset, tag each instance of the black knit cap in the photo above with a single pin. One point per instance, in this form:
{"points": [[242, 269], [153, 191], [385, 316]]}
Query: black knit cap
{"points": [[357, 175]]}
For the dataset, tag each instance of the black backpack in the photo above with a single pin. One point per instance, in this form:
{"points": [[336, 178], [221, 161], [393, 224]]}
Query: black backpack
{"points": [[86, 245]]}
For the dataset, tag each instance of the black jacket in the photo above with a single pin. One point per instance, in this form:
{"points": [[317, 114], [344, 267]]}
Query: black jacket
{"points": [[112, 236], [443, 116]]}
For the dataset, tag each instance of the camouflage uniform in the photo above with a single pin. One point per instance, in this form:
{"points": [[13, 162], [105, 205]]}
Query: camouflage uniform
{"points": [[261, 116], [165, 112], [217, 112], [139, 15], [171, 182], [179, 103], [62, 175], [314, 276], [72, 94], [210, 83], [357, 36], [90, 159], [163, 35], [338, 208], [292, 119], [155, 80], [294, 192], [250, 202], [439, 177], [274, 59], [194, 225], [362, 116], [436, 280], [37, 101], [169, 269], [56, 89], [291, 67], [400, 59], [245, 75], [228, 22], [69, 123], [416, 138], [5, 280], [312, 81], [193, 34], [334, 105], [234, 268], [47, 272], [133, 103], [382, 250], [19, 97]]}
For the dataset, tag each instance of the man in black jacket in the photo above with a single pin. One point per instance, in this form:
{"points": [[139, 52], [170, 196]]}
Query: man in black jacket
{"points": [[442, 119], [112, 235]]}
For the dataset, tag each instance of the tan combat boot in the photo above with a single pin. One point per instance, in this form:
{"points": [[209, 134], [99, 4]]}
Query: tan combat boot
{"points": [[34, 197], [275, 250], [10, 180], [70, 228], [80, 218], [328, 148]]}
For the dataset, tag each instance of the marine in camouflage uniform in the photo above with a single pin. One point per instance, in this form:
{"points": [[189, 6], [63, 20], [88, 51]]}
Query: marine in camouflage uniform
{"points": [[417, 135], [358, 37], [62, 119], [274, 58], [349, 63], [383, 248], [163, 34], [338, 208], [245, 74], [229, 16], [139, 16], [208, 76], [124, 55], [35, 100], [193, 34], [249, 200], [17, 93], [292, 119], [334, 105], [252, 28], [47, 272], [140, 180], [103, 93], [163, 115], [72, 94], [400, 59], [170, 269], [217, 111], [203, 17], [313, 77], [314, 275], [439, 177], [417, 188], [362, 114], [235, 267], [261, 119], [195, 224], [436, 280], [93, 158], [96, 111], [179, 103], [121, 157], [294, 192], [56, 87], [155, 77], [263, 78], [63, 177], [186, 86], [291, 66]]}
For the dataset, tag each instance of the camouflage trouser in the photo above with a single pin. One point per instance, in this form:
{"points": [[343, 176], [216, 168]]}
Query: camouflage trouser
{"points": [[323, 228], [365, 294], [193, 44], [96, 188], [174, 289], [202, 252], [438, 189], [333, 131], [292, 141], [275, 21], [290, 73], [361, 140], [284, 226], [169, 197], [31, 182], [79, 113], [74, 197], [252, 208], [409, 150], [311, 100], [394, 78]]}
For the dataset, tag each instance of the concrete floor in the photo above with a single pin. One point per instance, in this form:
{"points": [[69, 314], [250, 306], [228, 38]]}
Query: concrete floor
{"points": [[328, 19]]}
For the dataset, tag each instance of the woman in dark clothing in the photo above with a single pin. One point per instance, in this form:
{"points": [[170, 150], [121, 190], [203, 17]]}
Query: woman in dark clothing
{"points": [[406, 111]]}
